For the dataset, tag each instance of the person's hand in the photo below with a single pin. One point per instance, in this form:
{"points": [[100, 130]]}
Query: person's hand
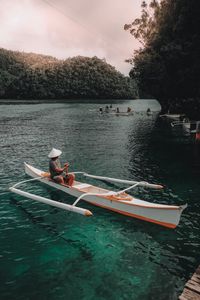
{"points": [[66, 164]]}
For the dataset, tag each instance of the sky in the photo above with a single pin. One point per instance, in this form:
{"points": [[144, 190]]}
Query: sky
{"points": [[67, 28]]}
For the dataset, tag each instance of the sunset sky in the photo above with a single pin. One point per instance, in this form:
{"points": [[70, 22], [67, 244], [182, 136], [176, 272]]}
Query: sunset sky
{"points": [[66, 28]]}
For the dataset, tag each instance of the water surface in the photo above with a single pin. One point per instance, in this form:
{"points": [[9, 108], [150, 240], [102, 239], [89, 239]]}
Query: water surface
{"points": [[46, 253]]}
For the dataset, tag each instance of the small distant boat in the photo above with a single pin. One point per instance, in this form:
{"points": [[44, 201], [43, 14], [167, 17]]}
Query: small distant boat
{"points": [[126, 114], [172, 117], [119, 202], [107, 111], [185, 127], [119, 114]]}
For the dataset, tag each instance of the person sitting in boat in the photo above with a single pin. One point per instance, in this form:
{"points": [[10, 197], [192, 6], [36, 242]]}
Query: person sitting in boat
{"points": [[148, 111], [57, 173], [107, 109], [128, 110]]}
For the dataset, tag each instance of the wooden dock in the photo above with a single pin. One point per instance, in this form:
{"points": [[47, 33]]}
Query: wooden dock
{"points": [[192, 287]]}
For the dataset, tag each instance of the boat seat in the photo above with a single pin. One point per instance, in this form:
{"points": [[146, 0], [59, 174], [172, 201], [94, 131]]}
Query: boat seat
{"points": [[123, 196], [81, 186]]}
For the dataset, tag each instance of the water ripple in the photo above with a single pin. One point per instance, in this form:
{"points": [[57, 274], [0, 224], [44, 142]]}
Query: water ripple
{"points": [[58, 251]]}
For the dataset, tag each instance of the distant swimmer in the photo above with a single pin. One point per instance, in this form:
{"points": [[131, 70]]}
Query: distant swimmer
{"points": [[100, 110]]}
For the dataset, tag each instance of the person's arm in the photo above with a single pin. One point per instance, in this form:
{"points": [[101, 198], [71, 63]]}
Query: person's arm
{"points": [[66, 166], [56, 169]]}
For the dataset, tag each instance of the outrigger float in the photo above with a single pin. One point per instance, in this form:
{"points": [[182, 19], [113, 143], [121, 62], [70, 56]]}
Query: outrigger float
{"points": [[120, 202]]}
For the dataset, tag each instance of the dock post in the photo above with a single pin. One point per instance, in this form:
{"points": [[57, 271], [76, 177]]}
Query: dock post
{"points": [[192, 287]]}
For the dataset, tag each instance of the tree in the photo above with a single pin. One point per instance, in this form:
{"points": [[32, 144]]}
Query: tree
{"points": [[168, 64], [34, 76]]}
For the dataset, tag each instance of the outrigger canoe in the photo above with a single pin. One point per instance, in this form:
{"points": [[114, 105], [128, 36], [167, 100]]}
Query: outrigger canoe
{"points": [[172, 117], [119, 202]]}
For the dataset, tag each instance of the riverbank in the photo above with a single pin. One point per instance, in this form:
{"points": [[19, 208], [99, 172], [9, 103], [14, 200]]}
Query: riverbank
{"points": [[38, 101], [136, 104]]}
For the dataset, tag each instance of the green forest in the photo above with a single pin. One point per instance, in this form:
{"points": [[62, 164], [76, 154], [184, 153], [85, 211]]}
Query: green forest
{"points": [[34, 76], [167, 65]]}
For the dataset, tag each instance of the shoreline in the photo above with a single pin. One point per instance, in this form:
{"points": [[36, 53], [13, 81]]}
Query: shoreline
{"points": [[78, 100], [39, 101]]}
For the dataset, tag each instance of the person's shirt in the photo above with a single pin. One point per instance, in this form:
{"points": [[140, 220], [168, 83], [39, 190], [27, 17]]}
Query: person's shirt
{"points": [[53, 166]]}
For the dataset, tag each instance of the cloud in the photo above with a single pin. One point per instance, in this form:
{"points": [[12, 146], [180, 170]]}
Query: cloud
{"points": [[68, 28]]}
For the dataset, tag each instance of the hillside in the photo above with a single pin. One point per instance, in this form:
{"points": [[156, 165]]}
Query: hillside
{"points": [[35, 76]]}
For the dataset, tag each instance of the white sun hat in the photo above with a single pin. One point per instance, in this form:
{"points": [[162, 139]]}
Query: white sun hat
{"points": [[54, 153]]}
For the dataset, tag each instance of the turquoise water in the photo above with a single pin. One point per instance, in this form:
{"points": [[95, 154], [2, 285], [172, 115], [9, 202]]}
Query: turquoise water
{"points": [[46, 253]]}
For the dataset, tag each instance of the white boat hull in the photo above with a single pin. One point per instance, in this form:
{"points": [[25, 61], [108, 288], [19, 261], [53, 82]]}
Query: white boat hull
{"points": [[172, 117], [185, 128], [165, 215]]}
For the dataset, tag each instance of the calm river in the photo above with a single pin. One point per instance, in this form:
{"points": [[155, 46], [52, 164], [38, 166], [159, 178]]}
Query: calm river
{"points": [[47, 253]]}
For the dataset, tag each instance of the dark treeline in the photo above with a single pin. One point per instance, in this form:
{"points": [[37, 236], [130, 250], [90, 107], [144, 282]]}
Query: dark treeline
{"points": [[34, 76], [167, 66]]}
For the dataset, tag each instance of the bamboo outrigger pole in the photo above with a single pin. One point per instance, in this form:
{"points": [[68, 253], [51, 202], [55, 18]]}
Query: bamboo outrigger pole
{"points": [[54, 203], [129, 182]]}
